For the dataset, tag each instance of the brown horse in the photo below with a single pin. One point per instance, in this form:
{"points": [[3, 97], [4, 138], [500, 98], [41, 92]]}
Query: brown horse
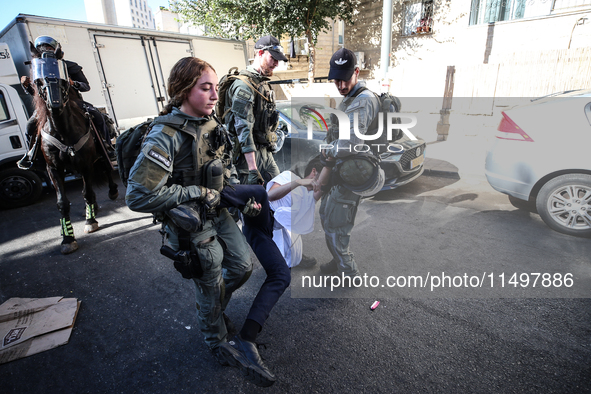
{"points": [[67, 141]]}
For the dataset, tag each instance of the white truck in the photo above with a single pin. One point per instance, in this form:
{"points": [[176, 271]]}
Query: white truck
{"points": [[127, 69]]}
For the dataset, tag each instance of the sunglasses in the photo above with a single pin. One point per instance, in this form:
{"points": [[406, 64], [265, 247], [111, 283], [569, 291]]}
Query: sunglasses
{"points": [[273, 47]]}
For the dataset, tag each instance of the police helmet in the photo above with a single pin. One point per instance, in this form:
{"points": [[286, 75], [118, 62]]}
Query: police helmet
{"points": [[361, 174], [45, 40]]}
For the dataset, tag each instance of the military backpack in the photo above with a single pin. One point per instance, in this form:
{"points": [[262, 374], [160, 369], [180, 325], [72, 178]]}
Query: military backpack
{"points": [[387, 104], [128, 147]]}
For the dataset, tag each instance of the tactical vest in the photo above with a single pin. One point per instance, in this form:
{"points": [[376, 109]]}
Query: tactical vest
{"points": [[210, 142], [265, 112]]}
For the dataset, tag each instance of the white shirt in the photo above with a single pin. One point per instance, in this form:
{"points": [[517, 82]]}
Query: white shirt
{"points": [[294, 215]]}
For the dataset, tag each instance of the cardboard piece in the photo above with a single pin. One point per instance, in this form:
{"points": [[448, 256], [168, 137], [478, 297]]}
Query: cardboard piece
{"points": [[32, 325]]}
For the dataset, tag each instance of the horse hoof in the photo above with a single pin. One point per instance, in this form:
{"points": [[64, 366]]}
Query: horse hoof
{"points": [[69, 248], [91, 228], [114, 196]]}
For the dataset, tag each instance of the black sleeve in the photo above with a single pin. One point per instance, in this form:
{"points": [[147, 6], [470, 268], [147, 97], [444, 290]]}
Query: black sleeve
{"points": [[76, 74]]}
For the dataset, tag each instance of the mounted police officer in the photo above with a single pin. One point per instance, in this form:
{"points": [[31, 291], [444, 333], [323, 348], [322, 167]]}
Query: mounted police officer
{"points": [[251, 117], [79, 82], [353, 174]]}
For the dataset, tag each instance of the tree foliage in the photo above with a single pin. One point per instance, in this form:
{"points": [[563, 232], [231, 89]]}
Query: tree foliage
{"points": [[245, 19]]}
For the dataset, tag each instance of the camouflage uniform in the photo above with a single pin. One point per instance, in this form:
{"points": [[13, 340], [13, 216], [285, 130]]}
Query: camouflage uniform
{"points": [[252, 127], [158, 182], [338, 208]]}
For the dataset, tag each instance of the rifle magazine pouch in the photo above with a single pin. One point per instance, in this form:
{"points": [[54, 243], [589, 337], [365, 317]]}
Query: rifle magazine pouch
{"points": [[213, 174]]}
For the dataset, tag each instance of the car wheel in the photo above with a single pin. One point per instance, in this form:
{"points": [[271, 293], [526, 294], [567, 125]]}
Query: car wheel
{"points": [[19, 188], [564, 203]]}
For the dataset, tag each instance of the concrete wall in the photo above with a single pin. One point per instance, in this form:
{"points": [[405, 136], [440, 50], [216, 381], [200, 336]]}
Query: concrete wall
{"points": [[419, 62]]}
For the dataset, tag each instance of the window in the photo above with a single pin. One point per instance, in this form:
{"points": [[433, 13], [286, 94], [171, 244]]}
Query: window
{"points": [[133, 19], [490, 11], [4, 114], [418, 17]]}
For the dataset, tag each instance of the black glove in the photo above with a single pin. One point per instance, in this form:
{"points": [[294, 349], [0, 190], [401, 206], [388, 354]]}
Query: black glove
{"points": [[255, 178], [211, 198], [324, 162], [249, 209]]}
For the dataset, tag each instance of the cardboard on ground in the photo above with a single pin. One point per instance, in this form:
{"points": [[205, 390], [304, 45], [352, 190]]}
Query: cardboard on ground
{"points": [[32, 325]]}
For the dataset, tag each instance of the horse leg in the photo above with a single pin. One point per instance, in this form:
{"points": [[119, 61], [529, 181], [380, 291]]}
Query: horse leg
{"points": [[113, 192], [91, 224], [69, 243]]}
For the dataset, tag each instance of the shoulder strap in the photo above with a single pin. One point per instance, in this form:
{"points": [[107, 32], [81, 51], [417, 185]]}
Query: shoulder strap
{"points": [[350, 99], [360, 90], [247, 80]]}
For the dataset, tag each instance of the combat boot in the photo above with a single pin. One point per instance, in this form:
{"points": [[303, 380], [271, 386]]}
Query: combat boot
{"points": [[219, 357], [329, 268], [244, 355], [307, 262]]}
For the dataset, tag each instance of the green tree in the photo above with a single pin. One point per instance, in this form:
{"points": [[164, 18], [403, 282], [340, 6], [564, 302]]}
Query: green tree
{"points": [[245, 19]]}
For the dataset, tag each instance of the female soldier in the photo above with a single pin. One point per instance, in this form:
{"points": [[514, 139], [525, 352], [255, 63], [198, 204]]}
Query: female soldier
{"points": [[181, 162], [166, 174]]}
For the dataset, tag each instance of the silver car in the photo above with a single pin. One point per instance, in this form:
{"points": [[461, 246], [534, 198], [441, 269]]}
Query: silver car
{"points": [[541, 154], [400, 167]]}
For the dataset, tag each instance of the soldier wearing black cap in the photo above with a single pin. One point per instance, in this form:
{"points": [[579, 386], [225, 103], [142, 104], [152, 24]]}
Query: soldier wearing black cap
{"points": [[251, 116], [339, 206]]}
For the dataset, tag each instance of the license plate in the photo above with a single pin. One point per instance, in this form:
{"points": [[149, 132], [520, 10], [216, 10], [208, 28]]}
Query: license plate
{"points": [[414, 163]]}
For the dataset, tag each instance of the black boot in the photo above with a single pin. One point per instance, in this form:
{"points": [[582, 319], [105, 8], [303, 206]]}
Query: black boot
{"points": [[329, 267], [307, 262], [27, 161], [244, 354]]}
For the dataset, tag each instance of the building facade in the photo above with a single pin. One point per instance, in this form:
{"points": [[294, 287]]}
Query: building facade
{"points": [[131, 13], [496, 48]]}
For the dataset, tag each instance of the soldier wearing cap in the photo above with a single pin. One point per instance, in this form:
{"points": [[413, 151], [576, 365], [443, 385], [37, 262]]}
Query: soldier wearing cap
{"points": [[339, 206], [251, 116]]}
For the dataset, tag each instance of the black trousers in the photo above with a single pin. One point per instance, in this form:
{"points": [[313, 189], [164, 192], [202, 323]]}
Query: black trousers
{"points": [[258, 231]]}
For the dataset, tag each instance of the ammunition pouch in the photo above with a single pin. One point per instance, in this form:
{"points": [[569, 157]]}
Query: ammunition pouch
{"points": [[213, 175]]}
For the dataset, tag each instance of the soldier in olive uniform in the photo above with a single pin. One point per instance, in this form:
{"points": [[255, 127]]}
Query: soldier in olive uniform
{"points": [[251, 116], [180, 176], [339, 206], [167, 174]]}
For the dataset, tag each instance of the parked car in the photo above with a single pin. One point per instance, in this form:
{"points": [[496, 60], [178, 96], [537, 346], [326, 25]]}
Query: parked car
{"points": [[400, 167], [541, 155]]}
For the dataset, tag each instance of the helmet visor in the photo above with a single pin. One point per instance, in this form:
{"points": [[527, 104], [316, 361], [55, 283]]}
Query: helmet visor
{"points": [[49, 68]]}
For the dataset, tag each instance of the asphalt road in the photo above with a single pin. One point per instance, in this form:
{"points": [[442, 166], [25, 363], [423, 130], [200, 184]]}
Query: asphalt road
{"points": [[136, 330]]}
